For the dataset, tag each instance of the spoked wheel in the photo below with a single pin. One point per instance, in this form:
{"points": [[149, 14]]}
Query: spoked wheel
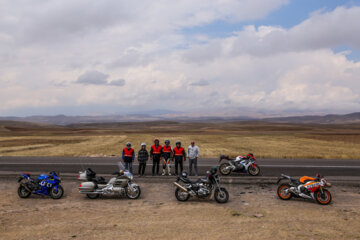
{"points": [[283, 192], [254, 170], [181, 195], [225, 169], [133, 194], [221, 195], [23, 193], [323, 198], [56, 193], [92, 195]]}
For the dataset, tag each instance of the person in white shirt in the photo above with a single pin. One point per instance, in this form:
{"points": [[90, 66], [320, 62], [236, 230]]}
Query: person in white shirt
{"points": [[193, 155]]}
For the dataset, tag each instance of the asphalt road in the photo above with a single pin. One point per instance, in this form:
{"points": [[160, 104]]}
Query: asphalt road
{"points": [[106, 165]]}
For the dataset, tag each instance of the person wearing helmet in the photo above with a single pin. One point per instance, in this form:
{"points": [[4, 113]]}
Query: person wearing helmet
{"points": [[167, 154], [128, 156], [179, 155], [143, 156], [155, 154], [193, 155]]}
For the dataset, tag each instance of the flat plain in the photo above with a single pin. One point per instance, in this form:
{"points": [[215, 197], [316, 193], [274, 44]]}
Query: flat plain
{"points": [[253, 212], [265, 140]]}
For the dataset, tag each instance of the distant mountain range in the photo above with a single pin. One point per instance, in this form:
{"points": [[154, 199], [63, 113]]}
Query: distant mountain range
{"points": [[326, 119], [63, 120]]}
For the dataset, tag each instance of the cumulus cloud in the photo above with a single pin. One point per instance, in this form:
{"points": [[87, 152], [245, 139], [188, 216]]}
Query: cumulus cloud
{"points": [[93, 77], [200, 83], [98, 78], [47, 49], [118, 82]]}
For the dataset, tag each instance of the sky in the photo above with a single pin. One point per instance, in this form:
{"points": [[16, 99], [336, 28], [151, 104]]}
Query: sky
{"points": [[204, 57]]}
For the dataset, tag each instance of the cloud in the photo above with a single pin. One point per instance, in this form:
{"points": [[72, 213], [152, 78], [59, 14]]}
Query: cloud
{"points": [[118, 82], [93, 77], [45, 55], [200, 83]]}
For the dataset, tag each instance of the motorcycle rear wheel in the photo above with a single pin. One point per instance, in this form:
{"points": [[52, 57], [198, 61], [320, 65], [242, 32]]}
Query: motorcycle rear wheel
{"points": [[57, 194], [93, 195], [23, 193], [323, 199], [281, 192], [133, 194], [181, 195], [254, 171], [223, 169], [221, 196]]}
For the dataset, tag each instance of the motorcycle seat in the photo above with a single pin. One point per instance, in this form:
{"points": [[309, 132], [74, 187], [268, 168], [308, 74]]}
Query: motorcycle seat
{"points": [[99, 180]]}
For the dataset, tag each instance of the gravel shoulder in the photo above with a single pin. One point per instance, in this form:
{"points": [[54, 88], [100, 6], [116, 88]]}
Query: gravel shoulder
{"points": [[253, 212]]}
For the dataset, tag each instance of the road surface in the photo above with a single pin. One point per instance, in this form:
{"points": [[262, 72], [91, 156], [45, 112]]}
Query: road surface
{"points": [[106, 165]]}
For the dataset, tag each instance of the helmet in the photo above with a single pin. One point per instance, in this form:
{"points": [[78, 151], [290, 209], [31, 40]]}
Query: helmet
{"points": [[156, 140], [143, 144], [250, 155], [167, 141], [213, 170], [128, 144], [178, 142], [184, 174]]}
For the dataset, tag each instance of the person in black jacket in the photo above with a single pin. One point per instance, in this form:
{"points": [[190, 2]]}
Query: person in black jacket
{"points": [[180, 156], [143, 156]]}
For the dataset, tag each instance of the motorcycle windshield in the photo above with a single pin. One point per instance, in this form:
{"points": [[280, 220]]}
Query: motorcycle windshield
{"points": [[121, 166]]}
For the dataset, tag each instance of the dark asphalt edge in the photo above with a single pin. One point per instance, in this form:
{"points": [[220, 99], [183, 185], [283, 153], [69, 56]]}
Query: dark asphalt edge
{"points": [[338, 180]]}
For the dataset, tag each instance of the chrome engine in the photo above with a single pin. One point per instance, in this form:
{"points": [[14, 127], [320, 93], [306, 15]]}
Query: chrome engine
{"points": [[203, 190], [109, 190]]}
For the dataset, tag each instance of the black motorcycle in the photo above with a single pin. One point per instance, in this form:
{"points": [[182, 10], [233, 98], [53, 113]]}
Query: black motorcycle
{"points": [[201, 188]]}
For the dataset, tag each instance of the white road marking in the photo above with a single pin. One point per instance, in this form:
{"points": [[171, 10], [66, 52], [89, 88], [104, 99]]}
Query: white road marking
{"points": [[115, 164]]}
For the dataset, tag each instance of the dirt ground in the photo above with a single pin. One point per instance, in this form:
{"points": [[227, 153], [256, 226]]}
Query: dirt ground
{"points": [[253, 212]]}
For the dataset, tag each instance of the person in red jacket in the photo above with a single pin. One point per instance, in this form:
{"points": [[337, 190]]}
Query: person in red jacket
{"points": [[167, 154], [156, 152], [179, 155], [128, 156]]}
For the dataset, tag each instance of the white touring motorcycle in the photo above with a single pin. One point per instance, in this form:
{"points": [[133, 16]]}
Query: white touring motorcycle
{"points": [[121, 184]]}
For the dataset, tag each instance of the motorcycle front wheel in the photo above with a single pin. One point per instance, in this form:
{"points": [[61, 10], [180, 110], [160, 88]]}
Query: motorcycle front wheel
{"points": [[283, 192], [254, 170], [221, 195], [23, 193], [323, 198], [133, 194], [57, 193], [181, 195], [223, 169]]}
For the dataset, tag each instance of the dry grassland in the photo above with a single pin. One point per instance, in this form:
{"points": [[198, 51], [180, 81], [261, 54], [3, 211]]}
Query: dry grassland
{"points": [[267, 140]]}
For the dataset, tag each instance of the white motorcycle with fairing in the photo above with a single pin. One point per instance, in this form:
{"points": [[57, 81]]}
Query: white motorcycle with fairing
{"points": [[121, 184]]}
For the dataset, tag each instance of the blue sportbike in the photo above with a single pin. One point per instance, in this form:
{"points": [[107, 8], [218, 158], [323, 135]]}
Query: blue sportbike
{"points": [[46, 185]]}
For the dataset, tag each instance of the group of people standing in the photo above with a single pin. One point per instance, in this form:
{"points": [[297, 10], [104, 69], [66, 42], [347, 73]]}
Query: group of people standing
{"points": [[165, 153]]}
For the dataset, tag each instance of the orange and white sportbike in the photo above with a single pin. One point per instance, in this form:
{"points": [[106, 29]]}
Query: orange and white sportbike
{"points": [[305, 187]]}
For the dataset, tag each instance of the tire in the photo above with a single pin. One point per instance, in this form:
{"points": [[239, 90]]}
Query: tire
{"points": [[254, 171], [325, 199], [57, 194], [221, 196], [93, 195], [181, 195], [130, 195], [224, 171], [280, 193], [23, 193]]}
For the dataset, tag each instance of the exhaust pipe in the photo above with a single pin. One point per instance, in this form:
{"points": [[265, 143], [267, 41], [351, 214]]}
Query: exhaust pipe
{"points": [[181, 187]]}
